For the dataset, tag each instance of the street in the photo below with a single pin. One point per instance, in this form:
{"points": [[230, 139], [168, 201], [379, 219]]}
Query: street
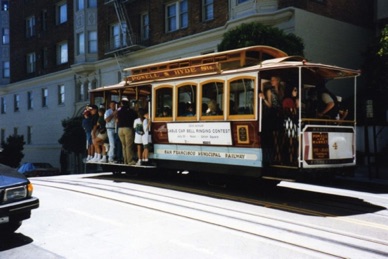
{"points": [[86, 217]]}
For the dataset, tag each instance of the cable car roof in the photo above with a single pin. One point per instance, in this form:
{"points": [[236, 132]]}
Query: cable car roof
{"points": [[323, 70], [249, 59], [222, 56]]}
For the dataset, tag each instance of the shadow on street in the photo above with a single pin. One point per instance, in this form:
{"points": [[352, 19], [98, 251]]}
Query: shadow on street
{"points": [[14, 240]]}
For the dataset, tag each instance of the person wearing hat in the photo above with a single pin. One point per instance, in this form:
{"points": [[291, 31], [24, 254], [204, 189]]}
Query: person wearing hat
{"points": [[125, 119]]}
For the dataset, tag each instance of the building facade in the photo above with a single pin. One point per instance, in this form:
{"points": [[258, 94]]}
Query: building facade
{"points": [[4, 47], [68, 47]]}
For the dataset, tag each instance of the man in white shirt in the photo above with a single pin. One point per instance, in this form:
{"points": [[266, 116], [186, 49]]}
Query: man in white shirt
{"points": [[110, 118]]}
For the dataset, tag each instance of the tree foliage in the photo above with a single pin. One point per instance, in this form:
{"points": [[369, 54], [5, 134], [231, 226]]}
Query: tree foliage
{"points": [[250, 34], [73, 138], [12, 153], [383, 51]]}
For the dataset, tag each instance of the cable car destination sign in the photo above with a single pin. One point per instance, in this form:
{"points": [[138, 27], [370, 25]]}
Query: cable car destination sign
{"points": [[182, 71]]}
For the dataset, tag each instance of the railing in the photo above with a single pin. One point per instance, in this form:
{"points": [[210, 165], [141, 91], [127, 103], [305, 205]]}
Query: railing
{"points": [[131, 42], [328, 121]]}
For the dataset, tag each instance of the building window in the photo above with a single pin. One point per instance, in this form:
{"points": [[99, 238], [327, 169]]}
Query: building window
{"points": [[3, 105], [15, 131], [92, 85], [61, 94], [6, 69], [62, 53], [80, 5], [87, 88], [81, 91], [16, 102], [44, 20], [44, 97], [30, 101], [5, 36], [44, 58], [118, 35], [115, 36], [208, 10], [92, 42], [92, 3], [30, 26], [29, 135], [81, 43], [31, 59], [241, 1], [177, 16], [4, 5], [62, 13], [145, 26]]}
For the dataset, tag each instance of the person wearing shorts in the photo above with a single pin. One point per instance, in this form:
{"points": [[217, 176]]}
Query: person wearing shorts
{"points": [[140, 126]]}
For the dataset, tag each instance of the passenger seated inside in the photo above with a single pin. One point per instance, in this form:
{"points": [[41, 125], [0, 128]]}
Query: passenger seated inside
{"points": [[327, 104], [321, 103], [189, 110], [166, 112], [213, 109], [342, 111]]}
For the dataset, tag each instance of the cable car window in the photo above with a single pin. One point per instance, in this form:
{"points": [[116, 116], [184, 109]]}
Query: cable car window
{"points": [[187, 100], [212, 99], [163, 102], [241, 93]]}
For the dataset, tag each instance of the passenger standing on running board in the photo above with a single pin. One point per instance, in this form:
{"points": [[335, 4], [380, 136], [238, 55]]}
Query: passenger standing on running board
{"points": [[94, 120], [110, 119], [125, 118], [141, 137]]}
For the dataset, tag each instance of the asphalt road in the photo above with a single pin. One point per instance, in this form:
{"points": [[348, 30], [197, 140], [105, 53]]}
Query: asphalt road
{"points": [[95, 218]]}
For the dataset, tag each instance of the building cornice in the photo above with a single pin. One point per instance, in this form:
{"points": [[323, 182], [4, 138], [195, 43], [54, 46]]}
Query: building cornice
{"points": [[40, 80]]}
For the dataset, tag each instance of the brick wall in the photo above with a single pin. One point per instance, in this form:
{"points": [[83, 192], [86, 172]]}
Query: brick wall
{"points": [[156, 11], [20, 45]]}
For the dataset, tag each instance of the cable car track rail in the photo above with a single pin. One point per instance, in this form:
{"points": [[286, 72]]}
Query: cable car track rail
{"points": [[221, 213]]}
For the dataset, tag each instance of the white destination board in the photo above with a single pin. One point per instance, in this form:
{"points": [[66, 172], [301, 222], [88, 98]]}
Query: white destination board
{"points": [[211, 133]]}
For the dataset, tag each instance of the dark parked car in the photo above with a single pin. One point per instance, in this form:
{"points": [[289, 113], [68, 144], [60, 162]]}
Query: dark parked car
{"points": [[16, 201], [38, 169]]}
